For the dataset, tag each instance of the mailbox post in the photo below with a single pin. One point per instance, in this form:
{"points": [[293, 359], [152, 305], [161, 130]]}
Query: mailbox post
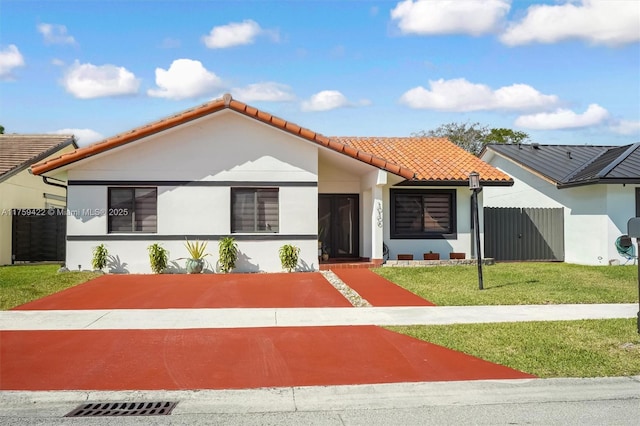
{"points": [[633, 230]]}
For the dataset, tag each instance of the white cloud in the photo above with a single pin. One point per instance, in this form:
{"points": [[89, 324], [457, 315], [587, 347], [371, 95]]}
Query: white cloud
{"points": [[55, 34], [564, 119], [87, 81], [10, 58], [233, 34], [450, 16], [610, 22], [185, 78], [462, 95], [330, 99], [626, 127], [267, 91], [83, 136]]}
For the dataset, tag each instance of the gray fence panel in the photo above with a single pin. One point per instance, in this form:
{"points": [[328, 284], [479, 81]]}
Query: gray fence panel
{"points": [[524, 234]]}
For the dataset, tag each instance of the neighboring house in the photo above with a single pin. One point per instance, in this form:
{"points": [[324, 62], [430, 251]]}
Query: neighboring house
{"points": [[595, 188], [226, 168], [19, 189]]}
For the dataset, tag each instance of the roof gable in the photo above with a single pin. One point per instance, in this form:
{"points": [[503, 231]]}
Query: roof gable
{"points": [[17, 152], [416, 159], [573, 165], [209, 108]]}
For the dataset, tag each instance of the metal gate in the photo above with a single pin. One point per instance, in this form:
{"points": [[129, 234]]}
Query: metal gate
{"points": [[524, 233], [38, 235]]}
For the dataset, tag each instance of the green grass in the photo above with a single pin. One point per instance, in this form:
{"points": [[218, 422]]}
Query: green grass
{"points": [[519, 283], [588, 348], [22, 284]]}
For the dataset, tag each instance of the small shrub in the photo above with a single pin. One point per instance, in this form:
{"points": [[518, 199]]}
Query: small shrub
{"points": [[289, 256], [227, 254], [100, 257], [196, 249], [158, 257]]}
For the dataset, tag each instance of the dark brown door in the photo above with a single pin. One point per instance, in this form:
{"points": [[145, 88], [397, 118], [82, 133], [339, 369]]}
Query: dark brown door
{"points": [[338, 226]]}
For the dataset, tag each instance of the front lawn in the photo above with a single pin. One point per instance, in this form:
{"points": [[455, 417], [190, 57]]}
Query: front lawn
{"points": [[24, 283], [518, 283], [588, 348]]}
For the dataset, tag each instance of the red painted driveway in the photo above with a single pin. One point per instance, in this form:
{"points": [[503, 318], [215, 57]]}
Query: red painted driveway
{"points": [[228, 359], [196, 291], [377, 290]]}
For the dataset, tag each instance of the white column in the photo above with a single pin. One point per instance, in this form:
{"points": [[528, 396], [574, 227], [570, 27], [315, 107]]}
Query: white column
{"points": [[377, 216]]}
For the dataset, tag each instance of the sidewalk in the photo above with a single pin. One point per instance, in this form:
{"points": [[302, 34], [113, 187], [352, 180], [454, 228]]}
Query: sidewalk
{"points": [[120, 319]]}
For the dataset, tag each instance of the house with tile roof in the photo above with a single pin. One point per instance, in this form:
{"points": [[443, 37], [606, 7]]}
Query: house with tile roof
{"points": [[19, 189], [225, 168], [597, 189]]}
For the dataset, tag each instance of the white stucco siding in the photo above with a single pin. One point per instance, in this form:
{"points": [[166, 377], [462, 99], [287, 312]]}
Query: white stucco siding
{"points": [[620, 206], [337, 180], [133, 257], [585, 225], [299, 210], [462, 242], [206, 159], [226, 146], [194, 210], [528, 190]]}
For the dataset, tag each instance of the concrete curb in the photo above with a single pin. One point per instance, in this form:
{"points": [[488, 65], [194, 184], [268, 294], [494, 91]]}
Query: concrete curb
{"points": [[337, 398]]}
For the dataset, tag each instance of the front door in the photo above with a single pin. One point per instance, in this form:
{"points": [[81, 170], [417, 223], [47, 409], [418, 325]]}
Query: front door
{"points": [[338, 224]]}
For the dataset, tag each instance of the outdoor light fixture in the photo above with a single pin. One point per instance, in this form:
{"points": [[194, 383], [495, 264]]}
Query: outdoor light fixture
{"points": [[474, 180], [474, 185]]}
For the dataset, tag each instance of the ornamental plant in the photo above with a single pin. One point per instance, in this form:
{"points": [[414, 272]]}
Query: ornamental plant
{"points": [[227, 254], [100, 257], [196, 249], [158, 258], [289, 255]]}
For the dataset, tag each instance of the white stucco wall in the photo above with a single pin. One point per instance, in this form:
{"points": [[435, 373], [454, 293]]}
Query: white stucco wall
{"points": [[594, 215], [218, 150]]}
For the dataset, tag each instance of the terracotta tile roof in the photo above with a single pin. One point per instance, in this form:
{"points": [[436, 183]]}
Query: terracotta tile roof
{"points": [[424, 158], [17, 152], [434, 160], [216, 105]]}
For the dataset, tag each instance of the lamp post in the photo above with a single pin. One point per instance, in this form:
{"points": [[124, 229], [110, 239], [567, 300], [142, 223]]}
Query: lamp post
{"points": [[474, 185]]}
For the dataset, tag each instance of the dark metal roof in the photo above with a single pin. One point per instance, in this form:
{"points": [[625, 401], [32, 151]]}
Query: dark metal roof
{"points": [[573, 165]]}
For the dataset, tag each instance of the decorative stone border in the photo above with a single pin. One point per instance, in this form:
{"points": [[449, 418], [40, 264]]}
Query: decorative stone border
{"points": [[447, 262]]}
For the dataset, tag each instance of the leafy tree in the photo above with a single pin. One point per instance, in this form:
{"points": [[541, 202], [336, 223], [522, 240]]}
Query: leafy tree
{"points": [[502, 135], [1, 130], [473, 137]]}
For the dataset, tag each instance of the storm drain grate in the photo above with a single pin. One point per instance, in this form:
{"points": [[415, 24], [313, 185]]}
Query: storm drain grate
{"points": [[114, 409]]}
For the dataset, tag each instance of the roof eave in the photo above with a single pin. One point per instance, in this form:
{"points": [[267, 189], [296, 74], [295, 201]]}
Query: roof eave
{"points": [[453, 182], [604, 181]]}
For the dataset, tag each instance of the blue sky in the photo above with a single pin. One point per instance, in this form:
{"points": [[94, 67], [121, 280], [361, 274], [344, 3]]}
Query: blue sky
{"points": [[565, 72]]}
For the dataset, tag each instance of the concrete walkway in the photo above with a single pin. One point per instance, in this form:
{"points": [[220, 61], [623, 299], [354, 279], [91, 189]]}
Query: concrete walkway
{"points": [[116, 319]]}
